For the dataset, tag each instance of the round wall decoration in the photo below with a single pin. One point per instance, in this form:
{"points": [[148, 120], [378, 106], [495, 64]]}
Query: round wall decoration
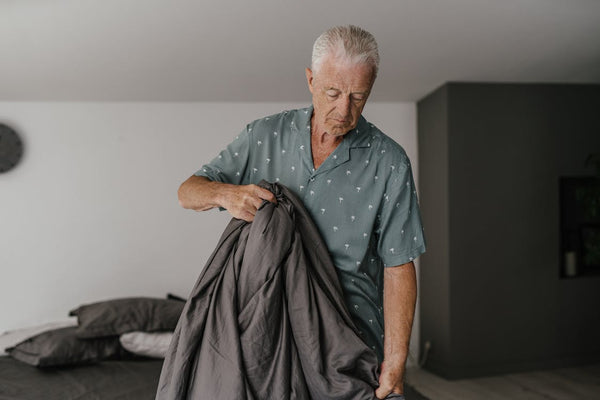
{"points": [[11, 148]]}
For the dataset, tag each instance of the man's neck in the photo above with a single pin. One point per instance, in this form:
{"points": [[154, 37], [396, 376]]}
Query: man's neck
{"points": [[322, 143]]}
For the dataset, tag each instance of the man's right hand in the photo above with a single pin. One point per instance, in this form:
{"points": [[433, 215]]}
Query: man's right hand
{"points": [[241, 201]]}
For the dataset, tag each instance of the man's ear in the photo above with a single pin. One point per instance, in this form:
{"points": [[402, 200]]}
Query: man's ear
{"points": [[309, 79]]}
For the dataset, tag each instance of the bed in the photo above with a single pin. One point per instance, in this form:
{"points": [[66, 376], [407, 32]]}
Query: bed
{"points": [[107, 350], [106, 380]]}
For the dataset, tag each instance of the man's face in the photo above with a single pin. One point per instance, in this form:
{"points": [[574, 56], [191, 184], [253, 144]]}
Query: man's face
{"points": [[339, 91]]}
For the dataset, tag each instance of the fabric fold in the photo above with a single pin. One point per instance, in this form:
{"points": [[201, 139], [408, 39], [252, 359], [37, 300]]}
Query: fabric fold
{"points": [[267, 319]]}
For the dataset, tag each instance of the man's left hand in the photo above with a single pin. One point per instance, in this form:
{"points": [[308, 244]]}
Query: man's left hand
{"points": [[391, 379]]}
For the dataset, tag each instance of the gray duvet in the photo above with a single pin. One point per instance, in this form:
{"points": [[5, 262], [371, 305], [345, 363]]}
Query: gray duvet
{"points": [[266, 318]]}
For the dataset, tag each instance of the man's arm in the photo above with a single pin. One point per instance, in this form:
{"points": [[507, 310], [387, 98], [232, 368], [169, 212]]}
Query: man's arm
{"points": [[242, 201], [399, 299]]}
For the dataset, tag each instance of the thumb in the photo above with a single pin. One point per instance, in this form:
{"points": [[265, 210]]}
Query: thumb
{"points": [[384, 388]]}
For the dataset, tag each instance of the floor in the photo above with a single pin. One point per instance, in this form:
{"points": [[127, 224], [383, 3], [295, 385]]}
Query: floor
{"points": [[581, 383]]}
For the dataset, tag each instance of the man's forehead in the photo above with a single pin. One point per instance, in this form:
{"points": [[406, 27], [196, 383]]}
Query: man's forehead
{"points": [[341, 80]]}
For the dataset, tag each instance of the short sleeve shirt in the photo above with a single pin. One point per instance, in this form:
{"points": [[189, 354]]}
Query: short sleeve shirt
{"points": [[362, 199]]}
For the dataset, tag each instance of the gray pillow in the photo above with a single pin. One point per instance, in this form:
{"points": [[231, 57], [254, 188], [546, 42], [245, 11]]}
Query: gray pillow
{"points": [[61, 347], [118, 316]]}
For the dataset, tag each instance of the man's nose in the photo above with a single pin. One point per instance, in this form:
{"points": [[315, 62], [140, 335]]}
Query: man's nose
{"points": [[343, 106]]}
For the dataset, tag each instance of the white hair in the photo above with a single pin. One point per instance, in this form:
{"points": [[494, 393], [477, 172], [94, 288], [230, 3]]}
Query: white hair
{"points": [[348, 43]]}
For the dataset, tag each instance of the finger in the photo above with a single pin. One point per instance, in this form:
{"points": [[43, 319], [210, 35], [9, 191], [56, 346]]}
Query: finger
{"points": [[255, 204], [382, 392], [246, 216], [266, 195]]}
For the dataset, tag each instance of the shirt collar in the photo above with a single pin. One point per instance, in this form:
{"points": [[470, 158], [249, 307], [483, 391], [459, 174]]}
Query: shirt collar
{"points": [[355, 138]]}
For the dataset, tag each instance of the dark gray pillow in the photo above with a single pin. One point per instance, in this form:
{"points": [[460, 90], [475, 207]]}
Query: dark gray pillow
{"points": [[118, 316], [62, 347]]}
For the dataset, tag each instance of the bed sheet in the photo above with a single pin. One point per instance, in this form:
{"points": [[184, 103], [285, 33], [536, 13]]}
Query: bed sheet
{"points": [[108, 380]]}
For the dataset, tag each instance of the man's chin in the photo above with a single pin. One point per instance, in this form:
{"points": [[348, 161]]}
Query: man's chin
{"points": [[339, 130]]}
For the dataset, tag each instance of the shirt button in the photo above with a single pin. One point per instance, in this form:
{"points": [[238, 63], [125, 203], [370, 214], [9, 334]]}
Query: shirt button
{"points": [[312, 179]]}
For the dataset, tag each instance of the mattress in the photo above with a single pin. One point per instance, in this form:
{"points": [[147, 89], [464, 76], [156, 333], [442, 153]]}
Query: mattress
{"points": [[123, 380]]}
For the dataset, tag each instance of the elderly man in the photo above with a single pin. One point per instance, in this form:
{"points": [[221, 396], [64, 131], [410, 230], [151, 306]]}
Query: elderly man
{"points": [[355, 182]]}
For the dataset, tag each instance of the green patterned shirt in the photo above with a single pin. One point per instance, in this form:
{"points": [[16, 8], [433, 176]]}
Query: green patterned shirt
{"points": [[362, 199]]}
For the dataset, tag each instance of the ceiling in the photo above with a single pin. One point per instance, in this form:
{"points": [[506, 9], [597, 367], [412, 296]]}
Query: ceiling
{"points": [[239, 50]]}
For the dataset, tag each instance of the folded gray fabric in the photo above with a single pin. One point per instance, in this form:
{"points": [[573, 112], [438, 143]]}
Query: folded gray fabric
{"points": [[266, 318]]}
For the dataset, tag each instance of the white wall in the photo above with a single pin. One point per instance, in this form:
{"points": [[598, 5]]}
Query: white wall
{"points": [[91, 212]]}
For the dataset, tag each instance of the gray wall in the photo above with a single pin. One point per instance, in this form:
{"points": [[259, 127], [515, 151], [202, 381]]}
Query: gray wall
{"points": [[490, 157]]}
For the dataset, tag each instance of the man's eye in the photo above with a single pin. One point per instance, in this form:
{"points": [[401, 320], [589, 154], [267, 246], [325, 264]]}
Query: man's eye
{"points": [[332, 93], [358, 97]]}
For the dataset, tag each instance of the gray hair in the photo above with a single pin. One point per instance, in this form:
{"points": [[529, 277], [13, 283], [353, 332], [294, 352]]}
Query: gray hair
{"points": [[350, 43]]}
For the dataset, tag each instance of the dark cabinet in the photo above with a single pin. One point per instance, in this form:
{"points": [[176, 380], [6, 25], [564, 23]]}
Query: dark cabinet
{"points": [[492, 291]]}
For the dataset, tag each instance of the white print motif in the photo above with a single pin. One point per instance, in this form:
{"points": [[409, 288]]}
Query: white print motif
{"points": [[358, 189], [235, 154], [259, 143], [301, 187], [237, 173], [392, 250], [341, 199], [268, 160], [353, 218], [328, 181], [322, 211], [348, 172], [275, 133], [335, 156], [254, 170], [370, 206], [282, 151], [335, 228], [393, 167], [347, 246], [365, 235], [312, 192], [302, 147], [293, 168]]}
